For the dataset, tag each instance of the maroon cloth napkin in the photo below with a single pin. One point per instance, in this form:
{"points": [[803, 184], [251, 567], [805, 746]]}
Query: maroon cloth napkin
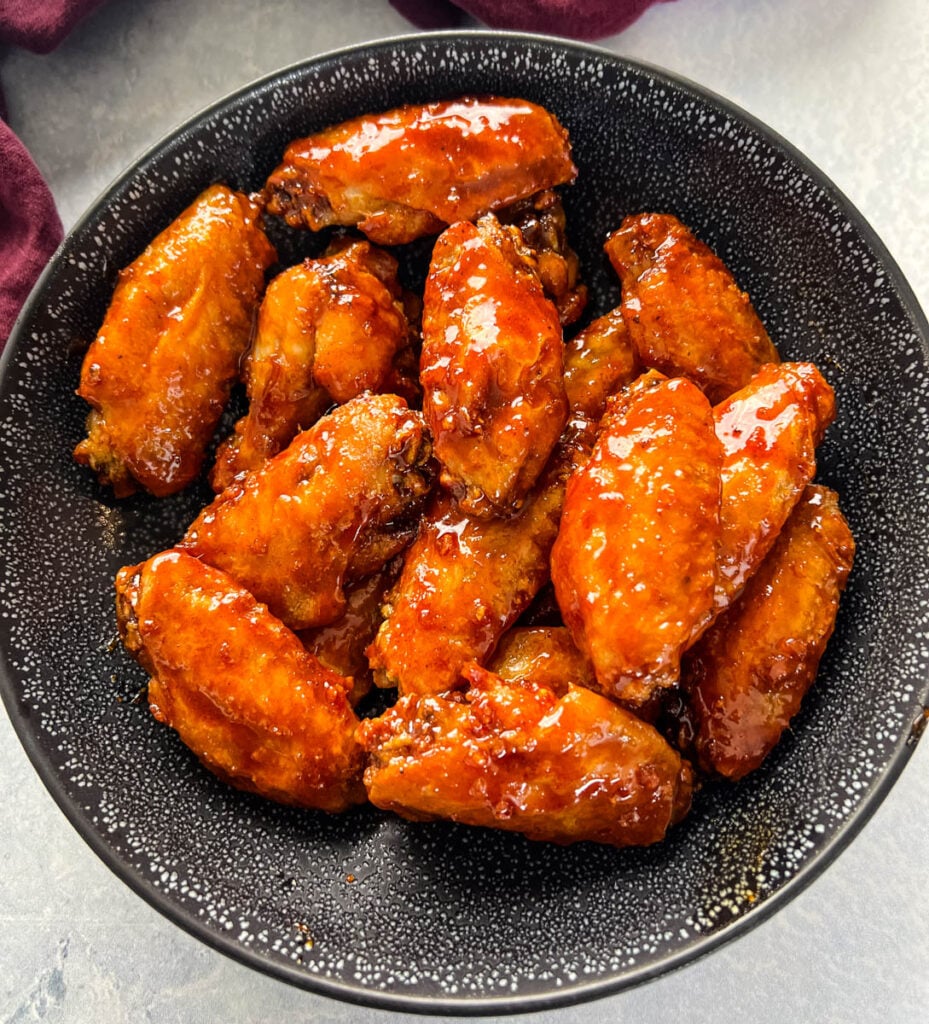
{"points": [[579, 19], [30, 228]]}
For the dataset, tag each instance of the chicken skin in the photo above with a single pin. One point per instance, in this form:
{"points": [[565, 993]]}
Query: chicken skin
{"points": [[686, 315], [747, 676], [159, 373], [514, 756], [337, 504], [465, 580], [491, 367], [598, 361], [329, 329], [543, 228], [545, 655], [769, 431], [415, 170], [256, 708], [634, 564]]}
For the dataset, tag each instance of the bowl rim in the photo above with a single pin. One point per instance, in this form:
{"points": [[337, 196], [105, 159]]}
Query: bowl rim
{"points": [[804, 875]]}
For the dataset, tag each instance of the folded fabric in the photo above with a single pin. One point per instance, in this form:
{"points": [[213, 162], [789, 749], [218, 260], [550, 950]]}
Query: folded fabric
{"points": [[578, 19], [30, 228]]}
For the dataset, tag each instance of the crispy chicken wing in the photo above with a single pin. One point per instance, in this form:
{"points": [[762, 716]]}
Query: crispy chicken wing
{"points": [[542, 225], [514, 756], [598, 361], [464, 581], [334, 506], [749, 673], [634, 564], [769, 432], [416, 169], [545, 655], [491, 367], [686, 315], [328, 330], [160, 370], [255, 707]]}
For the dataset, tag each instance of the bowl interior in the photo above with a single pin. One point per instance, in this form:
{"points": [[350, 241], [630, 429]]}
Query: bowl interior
{"points": [[437, 917]]}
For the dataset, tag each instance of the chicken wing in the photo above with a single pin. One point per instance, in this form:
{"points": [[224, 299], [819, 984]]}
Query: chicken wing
{"points": [[515, 756], [160, 370], [328, 330], [769, 432], [542, 225], [686, 315], [545, 655], [491, 367], [338, 503], [255, 707], [464, 581], [414, 170], [748, 675], [634, 564], [598, 361]]}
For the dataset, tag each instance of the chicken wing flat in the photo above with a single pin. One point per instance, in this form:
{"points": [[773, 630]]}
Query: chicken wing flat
{"points": [[160, 370], [255, 707], [491, 367], [338, 503], [544, 655], [598, 361], [542, 225], [515, 756], [749, 673], [342, 644], [465, 580], [414, 170], [769, 432], [328, 330], [634, 564], [686, 315]]}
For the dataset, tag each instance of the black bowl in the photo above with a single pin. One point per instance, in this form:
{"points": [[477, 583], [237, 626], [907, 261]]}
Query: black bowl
{"points": [[437, 917]]}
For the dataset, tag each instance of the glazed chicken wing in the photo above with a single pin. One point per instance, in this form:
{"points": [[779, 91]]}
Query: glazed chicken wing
{"points": [[338, 503], [749, 673], [634, 564], [328, 330], [514, 756], [160, 370], [769, 432], [598, 361], [255, 707], [545, 655], [465, 580], [491, 367], [686, 315], [414, 170]]}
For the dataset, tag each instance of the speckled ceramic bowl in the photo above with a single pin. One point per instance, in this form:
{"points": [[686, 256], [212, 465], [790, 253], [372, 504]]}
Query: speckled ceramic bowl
{"points": [[436, 917]]}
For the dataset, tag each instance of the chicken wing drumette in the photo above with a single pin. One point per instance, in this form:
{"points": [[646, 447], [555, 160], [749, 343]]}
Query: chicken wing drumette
{"points": [[338, 503], [255, 707], [513, 755], [160, 370], [686, 315], [491, 367], [328, 330], [747, 676], [414, 170]]}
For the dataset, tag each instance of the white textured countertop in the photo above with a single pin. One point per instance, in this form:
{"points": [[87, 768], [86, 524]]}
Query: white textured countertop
{"points": [[846, 82]]}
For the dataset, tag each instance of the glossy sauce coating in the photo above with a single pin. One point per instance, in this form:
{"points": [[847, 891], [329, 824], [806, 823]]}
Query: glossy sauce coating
{"points": [[338, 503], [515, 756], [769, 431], [748, 675], [491, 367], [598, 361], [414, 170], [237, 686], [686, 315], [634, 564], [544, 655], [329, 329], [160, 370], [464, 581]]}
